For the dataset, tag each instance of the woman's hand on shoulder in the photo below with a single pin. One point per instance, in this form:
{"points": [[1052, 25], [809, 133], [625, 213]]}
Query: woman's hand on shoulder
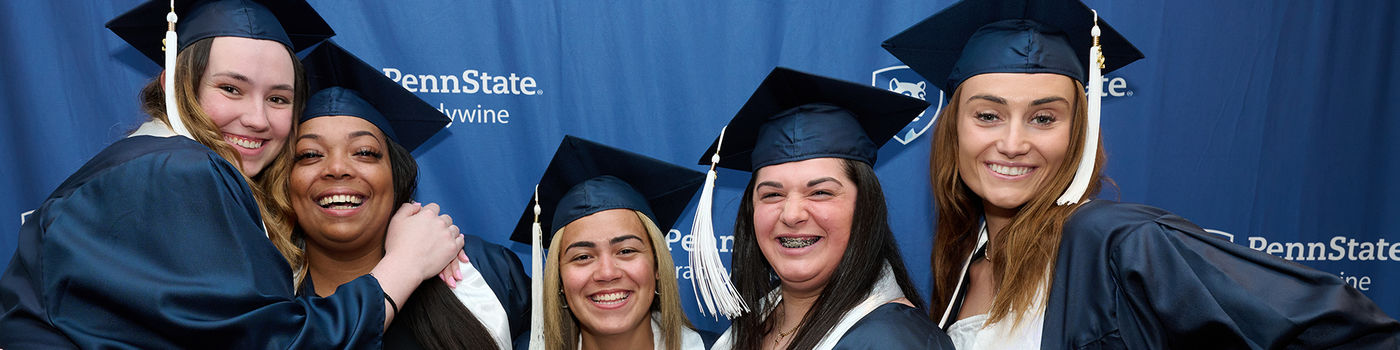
{"points": [[421, 234]]}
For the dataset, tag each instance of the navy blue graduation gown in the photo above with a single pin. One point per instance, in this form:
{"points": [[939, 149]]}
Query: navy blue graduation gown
{"points": [[502, 271], [156, 243], [1137, 277], [894, 326]]}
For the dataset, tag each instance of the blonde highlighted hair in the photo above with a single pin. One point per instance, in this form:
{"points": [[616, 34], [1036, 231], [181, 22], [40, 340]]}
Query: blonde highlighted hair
{"points": [[1026, 249], [561, 329]]}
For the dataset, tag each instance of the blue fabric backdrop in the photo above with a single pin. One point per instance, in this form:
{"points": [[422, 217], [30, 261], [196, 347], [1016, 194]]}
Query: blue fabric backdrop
{"points": [[1268, 121]]}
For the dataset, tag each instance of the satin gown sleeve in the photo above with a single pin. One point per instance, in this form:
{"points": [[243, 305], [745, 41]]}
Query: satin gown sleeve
{"points": [[1135, 276], [157, 243]]}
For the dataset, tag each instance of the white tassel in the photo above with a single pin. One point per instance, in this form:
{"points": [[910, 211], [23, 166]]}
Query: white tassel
{"points": [[708, 277], [172, 110], [537, 279], [1082, 175]]}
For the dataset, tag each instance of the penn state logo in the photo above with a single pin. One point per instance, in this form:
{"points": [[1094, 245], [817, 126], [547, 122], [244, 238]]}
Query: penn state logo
{"points": [[901, 79]]}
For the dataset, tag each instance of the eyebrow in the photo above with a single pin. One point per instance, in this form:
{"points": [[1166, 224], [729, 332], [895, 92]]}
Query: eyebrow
{"points": [[997, 100], [619, 239], [614, 240], [235, 76], [580, 244], [821, 180], [360, 133], [1045, 100], [812, 183], [244, 78]]}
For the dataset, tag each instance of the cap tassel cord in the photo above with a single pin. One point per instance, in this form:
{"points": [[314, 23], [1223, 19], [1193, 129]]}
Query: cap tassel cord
{"points": [[172, 110], [537, 279], [1082, 175], [709, 279]]}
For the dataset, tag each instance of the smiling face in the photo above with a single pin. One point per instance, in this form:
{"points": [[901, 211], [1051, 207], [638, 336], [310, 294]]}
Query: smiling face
{"points": [[608, 271], [342, 185], [247, 90], [802, 213], [1013, 135]]}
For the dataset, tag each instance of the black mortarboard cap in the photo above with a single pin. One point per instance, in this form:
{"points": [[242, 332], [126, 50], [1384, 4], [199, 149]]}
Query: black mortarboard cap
{"points": [[795, 116], [586, 177], [973, 37], [291, 22], [344, 85]]}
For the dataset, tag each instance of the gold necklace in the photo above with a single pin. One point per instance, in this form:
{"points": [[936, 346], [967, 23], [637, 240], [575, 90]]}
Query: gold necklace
{"points": [[781, 333]]}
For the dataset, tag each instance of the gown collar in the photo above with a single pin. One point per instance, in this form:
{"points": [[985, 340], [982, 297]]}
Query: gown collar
{"points": [[690, 340], [153, 128], [885, 291]]}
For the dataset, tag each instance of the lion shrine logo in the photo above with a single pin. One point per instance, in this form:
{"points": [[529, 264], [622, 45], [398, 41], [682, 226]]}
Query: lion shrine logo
{"points": [[901, 79]]}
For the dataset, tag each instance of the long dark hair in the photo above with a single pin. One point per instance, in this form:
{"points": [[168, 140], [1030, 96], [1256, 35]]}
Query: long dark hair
{"points": [[872, 245], [433, 314]]}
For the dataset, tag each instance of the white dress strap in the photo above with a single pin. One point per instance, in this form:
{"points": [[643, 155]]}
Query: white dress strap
{"points": [[477, 296], [962, 279]]}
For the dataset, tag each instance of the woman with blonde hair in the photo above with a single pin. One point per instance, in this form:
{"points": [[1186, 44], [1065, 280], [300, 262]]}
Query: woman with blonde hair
{"points": [[609, 281], [1024, 257], [159, 240]]}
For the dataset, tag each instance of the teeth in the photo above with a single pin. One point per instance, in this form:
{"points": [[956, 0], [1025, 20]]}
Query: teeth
{"points": [[242, 142], [340, 201], [610, 298], [1010, 170], [789, 242]]}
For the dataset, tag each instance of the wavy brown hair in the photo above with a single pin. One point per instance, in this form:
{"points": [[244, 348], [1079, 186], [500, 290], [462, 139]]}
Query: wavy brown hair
{"points": [[1027, 246], [270, 186]]}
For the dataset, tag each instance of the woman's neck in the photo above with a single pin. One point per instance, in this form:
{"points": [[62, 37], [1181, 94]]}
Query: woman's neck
{"points": [[997, 220], [790, 312], [638, 338], [329, 269]]}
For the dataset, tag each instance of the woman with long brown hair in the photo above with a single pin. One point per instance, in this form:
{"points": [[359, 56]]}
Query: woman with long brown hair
{"points": [[1024, 257], [162, 239]]}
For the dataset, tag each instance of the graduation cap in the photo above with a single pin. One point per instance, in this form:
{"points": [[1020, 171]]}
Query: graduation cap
{"points": [[792, 116], [204, 19], [290, 22], [1020, 36], [973, 37], [346, 86], [587, 177], [796, 116]]}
